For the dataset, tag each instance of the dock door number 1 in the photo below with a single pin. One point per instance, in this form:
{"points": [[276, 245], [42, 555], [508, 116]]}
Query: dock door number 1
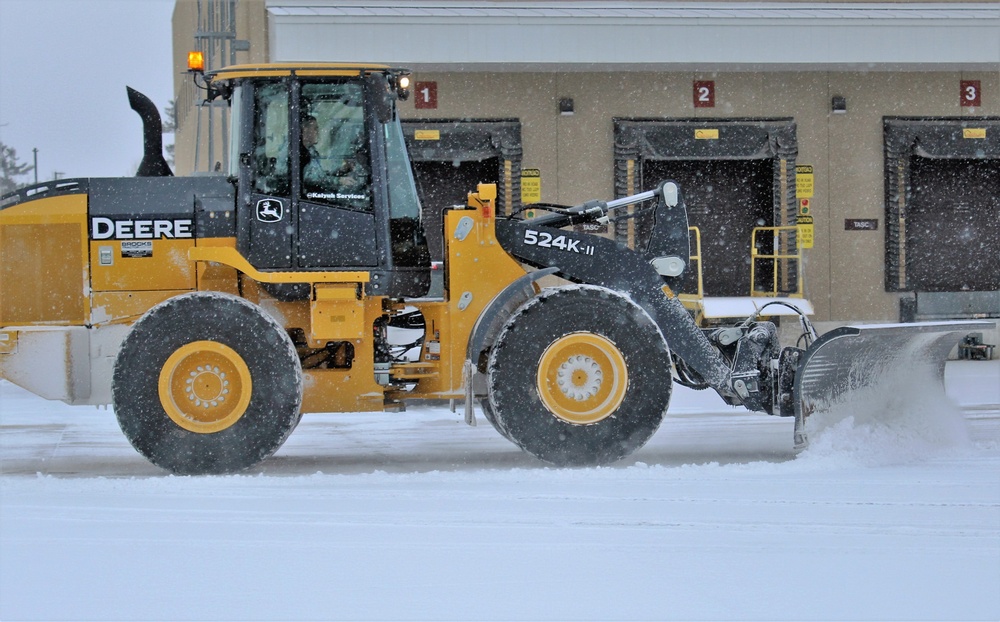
{"points": [[425, 95]]}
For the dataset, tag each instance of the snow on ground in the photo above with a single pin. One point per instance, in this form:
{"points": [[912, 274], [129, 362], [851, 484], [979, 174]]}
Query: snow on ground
{"points": [[417, 516]]}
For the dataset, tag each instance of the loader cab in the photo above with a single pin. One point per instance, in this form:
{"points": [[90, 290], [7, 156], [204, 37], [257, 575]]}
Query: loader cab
{"points": [[324, 180]]}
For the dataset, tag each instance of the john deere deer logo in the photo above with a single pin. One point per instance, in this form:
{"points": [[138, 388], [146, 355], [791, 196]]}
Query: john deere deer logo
{"points": [[270, 210]]}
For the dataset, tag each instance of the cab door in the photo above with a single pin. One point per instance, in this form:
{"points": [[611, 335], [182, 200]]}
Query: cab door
{"points": [[308, 195], [266, 232], [334, 189]]}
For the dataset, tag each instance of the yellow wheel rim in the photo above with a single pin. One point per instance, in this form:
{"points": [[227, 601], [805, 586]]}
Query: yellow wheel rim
{"points": [[582, 378], [205, 387]]}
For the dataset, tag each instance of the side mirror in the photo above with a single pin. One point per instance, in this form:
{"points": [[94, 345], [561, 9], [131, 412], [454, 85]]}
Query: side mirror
{"points": [[381, 96]]}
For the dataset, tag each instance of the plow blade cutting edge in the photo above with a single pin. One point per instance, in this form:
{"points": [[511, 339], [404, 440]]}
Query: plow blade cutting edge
{"points": [[849, 368]]}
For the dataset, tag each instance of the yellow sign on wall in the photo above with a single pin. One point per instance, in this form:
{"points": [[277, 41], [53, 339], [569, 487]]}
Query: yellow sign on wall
{"points": [[805, 182], [706, 134], [974, 132], [531, 185], [805, 223], [805, 232], [427, 135]]}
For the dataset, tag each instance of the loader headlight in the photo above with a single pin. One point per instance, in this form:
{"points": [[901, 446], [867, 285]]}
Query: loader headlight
{"points": [[401, 83], [670, 194]]}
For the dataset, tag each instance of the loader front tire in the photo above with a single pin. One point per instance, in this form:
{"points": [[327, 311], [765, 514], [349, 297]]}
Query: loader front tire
{"points": [[487, 408], [579, 376], [207, 383]]}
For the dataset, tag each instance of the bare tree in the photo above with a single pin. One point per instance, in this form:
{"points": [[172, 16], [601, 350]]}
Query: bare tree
{"points": [[170, 127], [11, 169]]}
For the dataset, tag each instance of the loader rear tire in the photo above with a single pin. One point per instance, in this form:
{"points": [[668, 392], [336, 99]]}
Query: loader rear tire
{"points": [[207, 383], [579, 376]]}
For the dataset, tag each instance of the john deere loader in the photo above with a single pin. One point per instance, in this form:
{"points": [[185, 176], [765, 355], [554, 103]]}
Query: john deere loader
{"points": [[213, 311]]}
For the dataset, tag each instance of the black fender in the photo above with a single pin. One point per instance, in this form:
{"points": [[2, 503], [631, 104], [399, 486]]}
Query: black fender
{"points": [[493, 317]]}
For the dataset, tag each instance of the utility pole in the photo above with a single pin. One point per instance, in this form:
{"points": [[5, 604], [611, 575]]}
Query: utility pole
{"points": [[35, 152], [57, 174]]}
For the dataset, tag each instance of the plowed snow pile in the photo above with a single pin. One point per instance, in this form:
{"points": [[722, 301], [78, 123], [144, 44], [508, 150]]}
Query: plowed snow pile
{"points": [[903, 418]]}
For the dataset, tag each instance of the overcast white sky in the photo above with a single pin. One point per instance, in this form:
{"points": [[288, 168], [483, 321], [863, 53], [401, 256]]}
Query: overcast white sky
{"points": [[64, 65]]}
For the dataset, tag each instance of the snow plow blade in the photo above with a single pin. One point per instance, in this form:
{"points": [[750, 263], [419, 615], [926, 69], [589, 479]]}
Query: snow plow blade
{"points": [[848, 368]]}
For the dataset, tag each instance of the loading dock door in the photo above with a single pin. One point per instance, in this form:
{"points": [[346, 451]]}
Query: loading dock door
{"points": [[451, 156], [725, 200], [735, 174], [953, 225], [942, 205], [444, 184]]}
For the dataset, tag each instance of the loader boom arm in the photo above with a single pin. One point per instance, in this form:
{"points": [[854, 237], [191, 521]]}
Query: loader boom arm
{"points": [[595, 260]]}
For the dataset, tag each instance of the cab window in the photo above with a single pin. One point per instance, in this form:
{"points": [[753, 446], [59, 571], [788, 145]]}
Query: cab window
{"points": [[403, 200], [270, 155], [335, 159], [235, 123]]}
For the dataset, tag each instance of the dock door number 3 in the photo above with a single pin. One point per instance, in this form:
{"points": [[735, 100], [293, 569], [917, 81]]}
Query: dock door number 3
{"points": [[971, 95]]}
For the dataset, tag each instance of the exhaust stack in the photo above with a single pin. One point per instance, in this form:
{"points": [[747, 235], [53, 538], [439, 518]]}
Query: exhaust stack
{"points": [[153, 164]]}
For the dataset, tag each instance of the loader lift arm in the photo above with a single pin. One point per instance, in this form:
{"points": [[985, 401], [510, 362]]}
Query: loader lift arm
{"points": [[649, 277]]}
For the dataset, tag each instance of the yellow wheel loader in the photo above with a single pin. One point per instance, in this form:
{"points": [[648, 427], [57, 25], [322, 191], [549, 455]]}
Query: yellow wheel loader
{"points": [[212, 311]]}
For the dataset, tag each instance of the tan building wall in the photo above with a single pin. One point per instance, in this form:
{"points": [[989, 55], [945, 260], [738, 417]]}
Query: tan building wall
{"points": [[844, 271], [193, 121]]}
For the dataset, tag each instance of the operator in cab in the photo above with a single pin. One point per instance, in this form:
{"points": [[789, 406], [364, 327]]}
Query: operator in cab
{"points": [[328, 175]]}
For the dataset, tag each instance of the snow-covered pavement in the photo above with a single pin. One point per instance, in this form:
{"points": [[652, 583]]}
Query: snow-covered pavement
{"points": [[417, 516]]}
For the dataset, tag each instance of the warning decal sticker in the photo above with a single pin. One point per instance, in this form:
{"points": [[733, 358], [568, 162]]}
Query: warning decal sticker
{"points": [[141, 248]]}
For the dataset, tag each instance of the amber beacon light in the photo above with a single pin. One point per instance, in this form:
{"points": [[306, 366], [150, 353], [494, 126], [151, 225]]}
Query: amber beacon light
{"points": [[196, 61]]}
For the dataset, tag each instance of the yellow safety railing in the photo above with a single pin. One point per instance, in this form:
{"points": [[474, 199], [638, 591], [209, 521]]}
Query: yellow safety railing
{"points": [[692, 301], [781, 263], [696, 256]]}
